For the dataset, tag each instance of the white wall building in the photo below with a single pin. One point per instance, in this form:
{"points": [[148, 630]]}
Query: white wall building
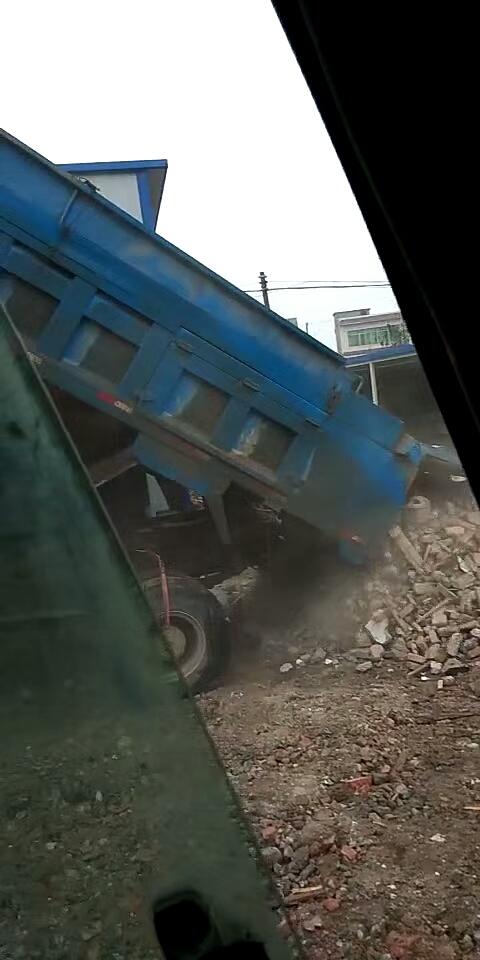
{"points": [[359, 331]]}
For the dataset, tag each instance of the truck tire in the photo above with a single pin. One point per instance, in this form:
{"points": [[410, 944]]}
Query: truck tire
{"points": [[197, 634]]}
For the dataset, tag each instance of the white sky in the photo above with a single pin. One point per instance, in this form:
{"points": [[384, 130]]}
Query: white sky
{"points": [[253, 181]]}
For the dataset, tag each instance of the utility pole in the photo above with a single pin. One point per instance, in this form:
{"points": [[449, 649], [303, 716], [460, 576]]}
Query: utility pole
{"points": [[264, 289]]}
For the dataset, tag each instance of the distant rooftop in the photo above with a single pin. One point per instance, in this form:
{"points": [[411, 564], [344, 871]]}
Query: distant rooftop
{"points": [[350, 314], [135, 186]]}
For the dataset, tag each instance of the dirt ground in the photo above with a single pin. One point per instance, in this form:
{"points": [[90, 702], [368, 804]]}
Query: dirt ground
{"points": [[364, 792], [351, 733]]}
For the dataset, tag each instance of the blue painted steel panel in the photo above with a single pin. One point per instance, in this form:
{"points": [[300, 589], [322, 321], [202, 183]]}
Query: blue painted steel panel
{"points": [[218, 388], [65, 319], [149, 214]]}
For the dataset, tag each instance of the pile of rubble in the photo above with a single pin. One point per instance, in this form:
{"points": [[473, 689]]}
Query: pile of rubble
{"points": [[419, 606], [425, 603]]}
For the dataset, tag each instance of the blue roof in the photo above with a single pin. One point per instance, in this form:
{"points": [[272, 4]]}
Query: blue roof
{"points": [[381, 353], [150, 176], [113, 166]]}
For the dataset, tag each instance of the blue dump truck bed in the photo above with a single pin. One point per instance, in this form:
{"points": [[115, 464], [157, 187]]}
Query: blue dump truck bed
{"points": [[215, 389]]}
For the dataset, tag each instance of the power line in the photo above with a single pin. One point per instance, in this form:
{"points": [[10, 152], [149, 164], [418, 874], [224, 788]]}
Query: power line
{"points": [[343, 280], [324, 286]]}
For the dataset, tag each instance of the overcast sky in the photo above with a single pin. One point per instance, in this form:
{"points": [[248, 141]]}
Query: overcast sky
{"points": [[253, 181]]}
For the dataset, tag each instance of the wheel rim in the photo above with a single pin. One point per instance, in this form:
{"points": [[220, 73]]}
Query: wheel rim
{"points": [[177, 640], [184, 634], [188, 643]]}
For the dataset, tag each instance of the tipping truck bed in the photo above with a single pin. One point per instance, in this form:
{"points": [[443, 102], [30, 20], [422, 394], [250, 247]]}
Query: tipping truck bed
{"points": [[211, 387]]}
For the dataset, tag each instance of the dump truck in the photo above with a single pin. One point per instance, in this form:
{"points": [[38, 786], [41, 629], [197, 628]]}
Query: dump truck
{"points": [[192, 405]]}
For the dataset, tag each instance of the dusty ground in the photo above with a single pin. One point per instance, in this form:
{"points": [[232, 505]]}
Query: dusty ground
{"points": [[387, 868], [360, 776]]}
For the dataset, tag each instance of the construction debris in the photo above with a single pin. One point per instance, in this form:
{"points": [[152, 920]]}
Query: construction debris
{"points": [[407, 548], [363, 667], [378, 630], [298, 894], [318, 655], [429, 614], [420, 606], [419, 511]]}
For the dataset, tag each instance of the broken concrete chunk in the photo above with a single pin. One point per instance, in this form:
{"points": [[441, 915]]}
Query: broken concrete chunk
{"points": [[439, 618], [407, 548], [436, 652], [452, 665], [415, 658], [406, 610], [318, 655], [419, 510], [474, 686], [473, 654], [422, 645], [363, 667], [454, 628], [436, 666], [453, 644], [455, 532], [376, 651], [378, 630], [422, 589], [466, 565], [464, 580]]}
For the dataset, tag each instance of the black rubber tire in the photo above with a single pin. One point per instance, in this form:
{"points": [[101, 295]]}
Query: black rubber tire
{"points": [[190, 597]]}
